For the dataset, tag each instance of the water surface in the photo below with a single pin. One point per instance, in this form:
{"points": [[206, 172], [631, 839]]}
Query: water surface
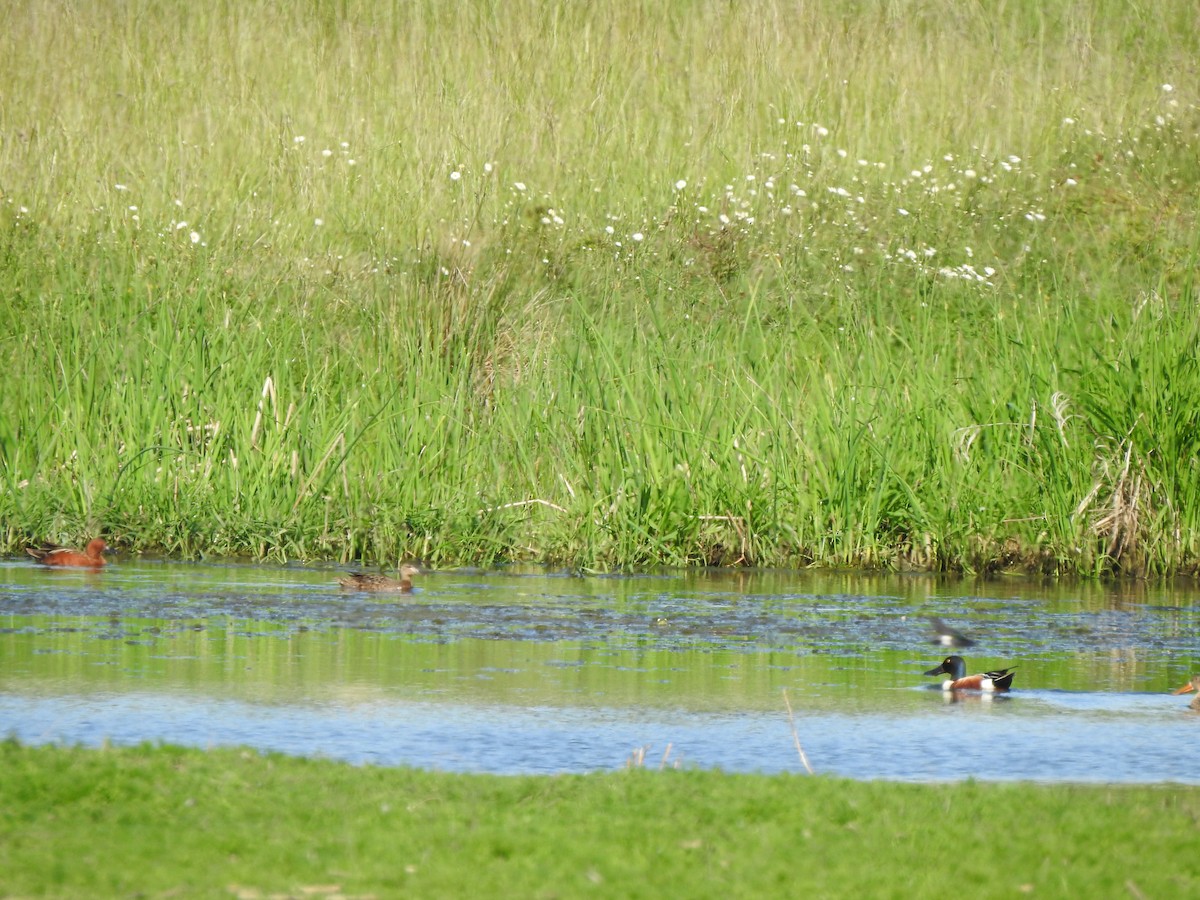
{"points": [[529, 672]]}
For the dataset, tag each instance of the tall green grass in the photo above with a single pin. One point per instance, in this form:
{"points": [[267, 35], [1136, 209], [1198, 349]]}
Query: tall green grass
{"points": [[907, 285]]}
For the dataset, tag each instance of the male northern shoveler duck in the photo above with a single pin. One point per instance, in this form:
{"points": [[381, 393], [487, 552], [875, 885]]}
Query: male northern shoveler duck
{"points": [[1193, 685], [359, 581], [91, 557], [959, 680], [946, 636]]}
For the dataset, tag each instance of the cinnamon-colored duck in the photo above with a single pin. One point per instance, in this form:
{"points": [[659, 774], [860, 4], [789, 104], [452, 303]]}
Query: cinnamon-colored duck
{"points": [[359, 581], [90, 557]]}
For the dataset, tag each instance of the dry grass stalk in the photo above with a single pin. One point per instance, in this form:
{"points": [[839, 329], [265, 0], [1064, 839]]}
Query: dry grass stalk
{"points": [[517, 504], [338, 443], [637, 759], [739, 526], [795, 734], [1120, 519], [268, 390]]}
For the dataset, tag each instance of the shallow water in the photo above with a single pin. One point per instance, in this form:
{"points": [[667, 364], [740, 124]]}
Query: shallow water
{"points": [[526, 672]]}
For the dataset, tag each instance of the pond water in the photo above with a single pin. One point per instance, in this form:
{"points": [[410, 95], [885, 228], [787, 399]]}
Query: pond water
{"points": [[527, 672]]}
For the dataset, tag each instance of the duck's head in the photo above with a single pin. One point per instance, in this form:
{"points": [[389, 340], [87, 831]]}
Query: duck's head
{"points": [[954, 666], [1193, 685]]}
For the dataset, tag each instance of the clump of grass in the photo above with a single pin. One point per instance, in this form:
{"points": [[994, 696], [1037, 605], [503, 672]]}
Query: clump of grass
{"points": [[662, 285]]}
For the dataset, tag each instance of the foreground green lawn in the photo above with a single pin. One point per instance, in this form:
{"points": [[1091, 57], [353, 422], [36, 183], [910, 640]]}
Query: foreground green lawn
{"points": [[164, 821]]}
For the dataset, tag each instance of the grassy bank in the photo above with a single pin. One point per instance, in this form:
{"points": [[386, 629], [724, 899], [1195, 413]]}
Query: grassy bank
{"points": [[655, 283], [164, 821]]}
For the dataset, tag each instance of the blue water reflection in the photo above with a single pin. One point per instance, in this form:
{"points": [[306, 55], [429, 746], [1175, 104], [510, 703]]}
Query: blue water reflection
{"points": [[1037, 736], [510, 673]]}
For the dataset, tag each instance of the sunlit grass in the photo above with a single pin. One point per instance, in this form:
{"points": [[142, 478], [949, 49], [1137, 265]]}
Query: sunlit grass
{"points": [[662, 283], [233, 823]]}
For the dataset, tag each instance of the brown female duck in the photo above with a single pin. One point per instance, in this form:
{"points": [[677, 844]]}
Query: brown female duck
{"points": [[360, 581]]}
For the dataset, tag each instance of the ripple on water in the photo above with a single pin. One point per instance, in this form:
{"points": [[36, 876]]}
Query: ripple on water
{"points": [[517, 672]]}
